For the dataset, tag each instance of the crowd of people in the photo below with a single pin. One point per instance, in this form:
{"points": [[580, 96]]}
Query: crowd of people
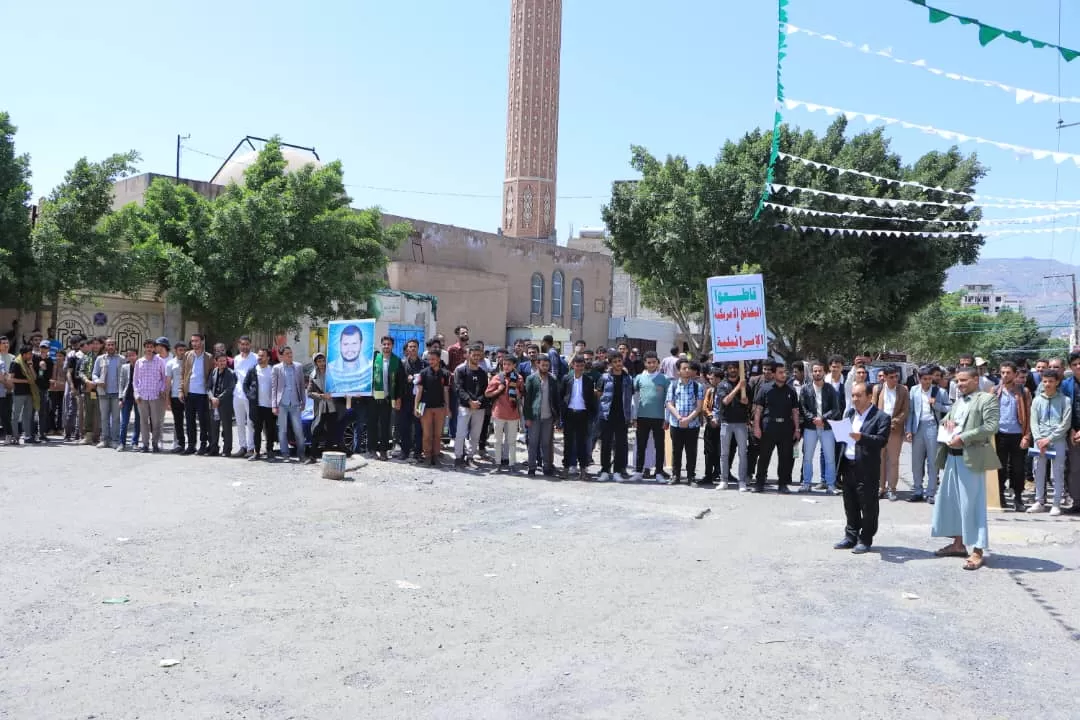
{"points": [[485, 404]]}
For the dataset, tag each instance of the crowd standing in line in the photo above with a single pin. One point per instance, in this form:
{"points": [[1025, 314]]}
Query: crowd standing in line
{"points": [[95, 395]]}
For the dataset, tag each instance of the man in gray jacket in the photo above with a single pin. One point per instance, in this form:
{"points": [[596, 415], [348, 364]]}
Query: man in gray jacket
{"points": [[288, 397], [106, 379]]}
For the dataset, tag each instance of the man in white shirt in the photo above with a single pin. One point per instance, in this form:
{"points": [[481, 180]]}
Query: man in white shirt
{"points": [[860, 466], [174, 371], [258, 386], [242, 364]]}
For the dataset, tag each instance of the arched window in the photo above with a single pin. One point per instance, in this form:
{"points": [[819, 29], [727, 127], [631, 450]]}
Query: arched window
{"points": [[537, 294], [556, 294], [577, 299]]}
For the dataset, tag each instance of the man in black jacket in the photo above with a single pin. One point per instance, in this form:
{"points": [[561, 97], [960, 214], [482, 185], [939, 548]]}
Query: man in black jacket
{"points": [[221, 385], [860, 466], [470, 382], [818, 404], [579, 404]]}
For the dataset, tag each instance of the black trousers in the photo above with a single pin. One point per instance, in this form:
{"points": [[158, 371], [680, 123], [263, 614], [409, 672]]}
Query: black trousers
{"points": [[56, 412], [221, 426], [382, 416], [5, 414], [776, 436], [197, 409], [753, 450], [408, 429], [177, 408], [645, 428], [576, 439], [1012, 458], [613, 436], [860, 499], [684, 439], [485, 430], [265, 424], [711, 438]]}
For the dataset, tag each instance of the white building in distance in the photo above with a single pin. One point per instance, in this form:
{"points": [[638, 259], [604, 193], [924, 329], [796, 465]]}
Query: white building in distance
{"points": [[988, 299]]}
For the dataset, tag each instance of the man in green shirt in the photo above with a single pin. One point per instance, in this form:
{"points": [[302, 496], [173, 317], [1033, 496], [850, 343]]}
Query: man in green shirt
{"points": [[650, 394]]}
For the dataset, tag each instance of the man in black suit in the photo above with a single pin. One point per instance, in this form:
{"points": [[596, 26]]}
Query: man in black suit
{"points": [[860, 467], [579, 404]]}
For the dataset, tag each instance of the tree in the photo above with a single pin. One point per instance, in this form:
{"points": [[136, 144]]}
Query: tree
{"points": [[15, 251], [265, 254], [73, 250], [942, 330], [678, 225]]}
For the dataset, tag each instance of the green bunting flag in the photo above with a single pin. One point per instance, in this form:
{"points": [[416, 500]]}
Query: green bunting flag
{"points": [[774, 152], [989, 33]]}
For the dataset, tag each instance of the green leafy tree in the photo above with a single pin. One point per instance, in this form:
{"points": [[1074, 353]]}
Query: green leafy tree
{"points": [[73, 252], [944, 329], [678, 225], [15, 250], [264, 254]]}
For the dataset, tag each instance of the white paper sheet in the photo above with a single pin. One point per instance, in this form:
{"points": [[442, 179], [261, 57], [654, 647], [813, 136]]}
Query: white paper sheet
{"points": [[841, 430]]}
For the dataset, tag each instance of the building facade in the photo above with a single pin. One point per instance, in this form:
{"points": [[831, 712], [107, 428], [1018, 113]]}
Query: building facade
{"points": [[631, 321], [532, 120], [988, 299], [501, 286]]}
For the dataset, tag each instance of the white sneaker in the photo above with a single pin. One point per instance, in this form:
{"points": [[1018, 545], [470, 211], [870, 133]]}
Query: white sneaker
{"points": [[743, 488], [1055, 511], [1038, 507], [636, 477], [603, 477]]}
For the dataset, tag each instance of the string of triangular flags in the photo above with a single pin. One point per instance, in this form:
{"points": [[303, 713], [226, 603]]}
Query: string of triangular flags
{"points": [[852, 232], [892, 202], [1033, 220], [989, 33], [951, 135], [1022, 95], [778, 118], [1017, 202]]}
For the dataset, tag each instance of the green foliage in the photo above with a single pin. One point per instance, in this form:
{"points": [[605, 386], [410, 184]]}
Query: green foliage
{"points": [[263, 255], [15, 251], [943, 329], [72, 248], [679, 225]]}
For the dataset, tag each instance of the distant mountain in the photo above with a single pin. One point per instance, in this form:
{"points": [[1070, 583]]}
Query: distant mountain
{"points": [[1047, 301]]}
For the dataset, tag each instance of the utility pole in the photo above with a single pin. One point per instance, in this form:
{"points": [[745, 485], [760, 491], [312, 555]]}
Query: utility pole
{"points": [[178, 141], [1074, 340]]}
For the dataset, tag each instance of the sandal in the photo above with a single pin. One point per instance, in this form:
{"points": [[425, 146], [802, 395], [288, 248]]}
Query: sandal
{"points": [[950, 551], [974, 562]]}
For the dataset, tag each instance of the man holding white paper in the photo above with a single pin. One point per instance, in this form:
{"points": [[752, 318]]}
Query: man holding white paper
{"points": [[865, 430], [965, 454]]}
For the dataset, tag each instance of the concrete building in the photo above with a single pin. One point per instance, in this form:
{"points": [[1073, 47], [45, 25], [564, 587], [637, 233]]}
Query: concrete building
{"points": [[504, 287], [989, 300], [532, 120], [640, 326]]}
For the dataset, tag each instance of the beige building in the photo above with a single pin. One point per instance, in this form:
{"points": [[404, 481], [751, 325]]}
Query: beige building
{"points": [[497, 284], [631, 321]]}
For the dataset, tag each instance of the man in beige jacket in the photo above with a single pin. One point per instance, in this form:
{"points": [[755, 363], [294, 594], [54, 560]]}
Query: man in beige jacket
{"points": [[892, 398]]}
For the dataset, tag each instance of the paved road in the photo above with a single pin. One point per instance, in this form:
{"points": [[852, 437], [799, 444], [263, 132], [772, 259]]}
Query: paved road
{"points": [[417, 594]]}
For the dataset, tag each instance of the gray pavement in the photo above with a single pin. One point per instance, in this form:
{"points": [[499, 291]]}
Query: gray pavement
{"points": [[408, 593]]}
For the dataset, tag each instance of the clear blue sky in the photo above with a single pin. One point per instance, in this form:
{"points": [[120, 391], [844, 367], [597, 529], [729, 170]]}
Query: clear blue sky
{"points": [[412, 96]]}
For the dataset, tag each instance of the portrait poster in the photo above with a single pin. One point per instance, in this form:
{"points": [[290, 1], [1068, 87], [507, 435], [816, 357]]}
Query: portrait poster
{"points": [[350, 351]]}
